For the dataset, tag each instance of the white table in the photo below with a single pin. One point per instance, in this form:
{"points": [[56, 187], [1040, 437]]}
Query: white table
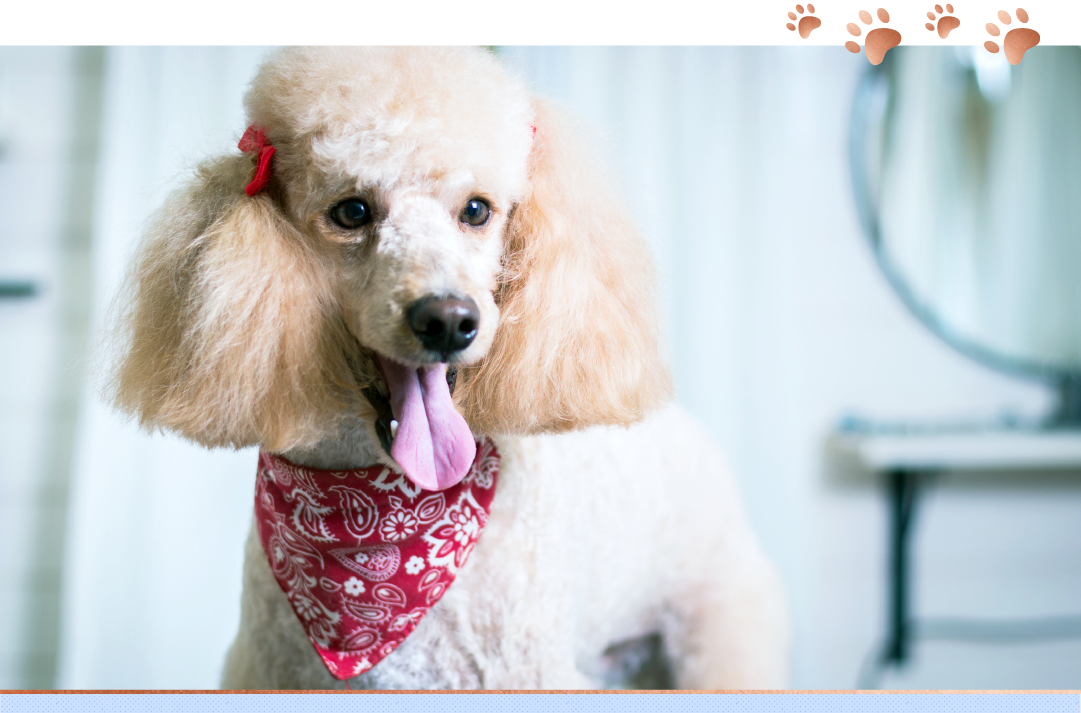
{"points": [[904, 458], [964, 451]]}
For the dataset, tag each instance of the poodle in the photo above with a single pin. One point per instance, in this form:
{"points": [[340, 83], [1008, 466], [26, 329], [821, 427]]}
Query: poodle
{"points": [[416, 290]]}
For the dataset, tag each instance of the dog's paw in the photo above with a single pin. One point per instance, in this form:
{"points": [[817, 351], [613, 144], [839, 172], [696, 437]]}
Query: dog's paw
{"points": [[879, 40], [946, 23], [807, 24], [1017, 41]]}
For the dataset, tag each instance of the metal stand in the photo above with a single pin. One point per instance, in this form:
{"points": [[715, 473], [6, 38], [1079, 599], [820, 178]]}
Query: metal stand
{"points": [[1068, 414], [901, 487], [902, 496]]}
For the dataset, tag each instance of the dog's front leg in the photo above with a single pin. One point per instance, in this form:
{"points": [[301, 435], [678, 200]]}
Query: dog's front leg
{"points": [[731, 633]]}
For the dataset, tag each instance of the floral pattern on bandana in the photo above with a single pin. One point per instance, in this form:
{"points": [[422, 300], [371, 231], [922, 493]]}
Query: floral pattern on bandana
{"points": [[362, 555]]}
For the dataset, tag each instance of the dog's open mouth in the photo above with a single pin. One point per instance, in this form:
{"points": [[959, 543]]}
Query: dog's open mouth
{"points": [[417, 423]]}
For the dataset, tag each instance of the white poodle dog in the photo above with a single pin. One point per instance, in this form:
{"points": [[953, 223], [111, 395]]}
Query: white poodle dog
{"points": [[431, 312]]}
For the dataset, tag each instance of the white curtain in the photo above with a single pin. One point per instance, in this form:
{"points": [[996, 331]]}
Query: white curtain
{"points": [[734, 162], [152, 572]]}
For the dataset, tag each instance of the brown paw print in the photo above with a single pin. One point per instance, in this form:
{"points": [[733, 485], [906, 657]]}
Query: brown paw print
{"points": [[946, 23], [807, 24], [1018, 40], [879, 40]]}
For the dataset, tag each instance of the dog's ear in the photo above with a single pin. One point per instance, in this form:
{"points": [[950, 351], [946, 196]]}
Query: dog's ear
{"points": [[227, 331], [579, 342]]}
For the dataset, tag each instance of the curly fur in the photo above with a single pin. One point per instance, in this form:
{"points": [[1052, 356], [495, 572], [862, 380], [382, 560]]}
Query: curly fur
{"points": [[255, 321]]}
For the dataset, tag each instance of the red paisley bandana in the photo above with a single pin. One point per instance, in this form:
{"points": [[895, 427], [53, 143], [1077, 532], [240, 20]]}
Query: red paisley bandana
{"points": [[363, 554]]}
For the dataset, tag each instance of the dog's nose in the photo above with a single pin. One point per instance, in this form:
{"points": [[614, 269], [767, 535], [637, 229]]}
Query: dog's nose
{"points": [[444, 324]]}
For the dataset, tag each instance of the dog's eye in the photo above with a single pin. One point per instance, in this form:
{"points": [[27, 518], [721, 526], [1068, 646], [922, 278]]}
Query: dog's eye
{"points": [[351, 214], [475, 212]]}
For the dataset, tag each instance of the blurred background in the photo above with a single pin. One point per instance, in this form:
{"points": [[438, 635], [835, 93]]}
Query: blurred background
{"points": [[783, 329]]}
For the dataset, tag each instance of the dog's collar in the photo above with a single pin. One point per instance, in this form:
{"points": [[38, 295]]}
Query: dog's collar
{"points": [[362, 555]]}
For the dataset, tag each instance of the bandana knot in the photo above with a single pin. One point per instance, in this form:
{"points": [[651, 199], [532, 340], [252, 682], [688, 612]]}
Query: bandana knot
{"points": [[362, 555], [255, 141]]}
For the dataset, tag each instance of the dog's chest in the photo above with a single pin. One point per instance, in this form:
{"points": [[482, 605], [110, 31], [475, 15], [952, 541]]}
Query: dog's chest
{"points": [[482, 632]]}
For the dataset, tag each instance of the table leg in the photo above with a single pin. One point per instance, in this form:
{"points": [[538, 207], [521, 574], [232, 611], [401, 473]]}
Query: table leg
{"points": [[902, 494]]}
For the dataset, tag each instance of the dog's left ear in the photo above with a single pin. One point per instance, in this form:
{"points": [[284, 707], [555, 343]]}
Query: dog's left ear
{"points": [[579, 340]]}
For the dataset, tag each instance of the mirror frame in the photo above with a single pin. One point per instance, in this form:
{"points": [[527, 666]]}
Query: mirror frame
{"points": [[875, 80]]}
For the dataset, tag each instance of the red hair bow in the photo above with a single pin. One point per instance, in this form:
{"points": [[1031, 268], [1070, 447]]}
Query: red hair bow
{"points": [[255, 141]]}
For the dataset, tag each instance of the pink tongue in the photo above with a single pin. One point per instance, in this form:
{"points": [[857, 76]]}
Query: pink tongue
{"points": [[433, 445]]}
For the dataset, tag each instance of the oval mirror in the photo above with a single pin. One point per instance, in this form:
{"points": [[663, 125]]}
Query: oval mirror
{"points": [[967, 173]]}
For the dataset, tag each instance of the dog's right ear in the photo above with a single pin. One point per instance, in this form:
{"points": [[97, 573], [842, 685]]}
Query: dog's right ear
{"points": [[228, 331]]}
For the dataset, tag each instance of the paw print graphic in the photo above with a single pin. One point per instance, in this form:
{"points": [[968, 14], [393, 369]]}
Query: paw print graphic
{"points": [[879, 40], [946, 23], [1017, 41], [807, 24]]}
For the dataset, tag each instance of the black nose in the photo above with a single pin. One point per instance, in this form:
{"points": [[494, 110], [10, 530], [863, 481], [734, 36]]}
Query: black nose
{"points": [[444, 324]]}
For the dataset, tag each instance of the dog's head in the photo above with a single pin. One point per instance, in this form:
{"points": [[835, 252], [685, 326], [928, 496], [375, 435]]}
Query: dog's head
{"points": [[422, 210]]}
